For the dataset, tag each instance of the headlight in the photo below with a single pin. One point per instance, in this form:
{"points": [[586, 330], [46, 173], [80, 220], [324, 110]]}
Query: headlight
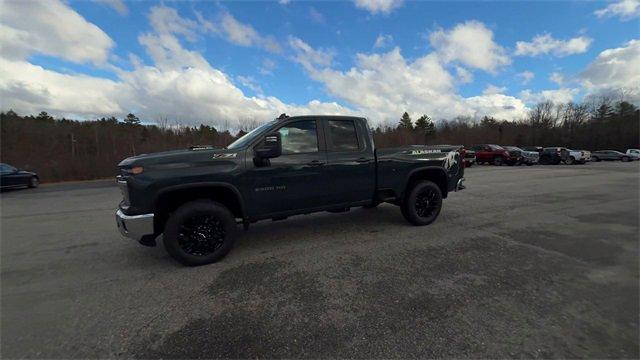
{"points": [[133, 171]]}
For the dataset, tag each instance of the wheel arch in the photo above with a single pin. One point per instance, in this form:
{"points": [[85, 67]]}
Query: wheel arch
{"points": [[173, 197], [431, 173]]}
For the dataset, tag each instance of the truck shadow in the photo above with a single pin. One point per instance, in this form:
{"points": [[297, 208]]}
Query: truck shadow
{"points": [[322, 226]]}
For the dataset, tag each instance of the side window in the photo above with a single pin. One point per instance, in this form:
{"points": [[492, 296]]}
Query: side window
{"points": [[343, 135], [299, 137]]}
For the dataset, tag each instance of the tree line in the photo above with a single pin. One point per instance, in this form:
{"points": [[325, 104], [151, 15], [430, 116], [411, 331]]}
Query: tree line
{"points": [[63, 149]]}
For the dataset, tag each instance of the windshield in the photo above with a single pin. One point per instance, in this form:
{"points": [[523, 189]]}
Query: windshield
{"points": [[248, 137]]}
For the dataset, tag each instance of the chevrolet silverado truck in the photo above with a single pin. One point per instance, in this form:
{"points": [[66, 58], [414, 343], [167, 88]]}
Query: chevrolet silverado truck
{"points": [[197, 197]]}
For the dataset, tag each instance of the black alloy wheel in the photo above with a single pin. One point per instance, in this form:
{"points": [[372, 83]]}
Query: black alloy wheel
{"points": [[422, 204], [201, 235], [200, 232]]}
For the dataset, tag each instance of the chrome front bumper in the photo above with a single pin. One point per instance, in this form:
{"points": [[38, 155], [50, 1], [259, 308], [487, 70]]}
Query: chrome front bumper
{"points": [[134, 226]]}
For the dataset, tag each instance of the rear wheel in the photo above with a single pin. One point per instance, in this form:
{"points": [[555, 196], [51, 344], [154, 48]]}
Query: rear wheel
{"points": [[199, 232], [571, 160], [498, 161], [422, 203], [625, 158], [34, 182], [595, 158]]}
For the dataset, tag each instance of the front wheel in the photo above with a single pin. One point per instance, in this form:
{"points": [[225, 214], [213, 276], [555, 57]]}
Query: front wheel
{"points": [[570, 161], [595, 159], [200, 232], [422, 204], [625, 159], [498, 161]]}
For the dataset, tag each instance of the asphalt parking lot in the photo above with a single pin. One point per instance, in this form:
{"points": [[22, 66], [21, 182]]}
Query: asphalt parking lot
{"points": [[526, 262]]}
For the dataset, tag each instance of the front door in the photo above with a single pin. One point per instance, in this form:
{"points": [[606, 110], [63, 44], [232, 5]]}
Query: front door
{"points": [[295, 180]]}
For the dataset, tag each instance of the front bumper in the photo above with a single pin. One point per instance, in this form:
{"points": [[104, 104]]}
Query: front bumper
{"points": [[134, 226]]}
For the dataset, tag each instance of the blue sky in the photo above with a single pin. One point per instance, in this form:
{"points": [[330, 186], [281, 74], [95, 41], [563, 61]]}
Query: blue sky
{"points": [[461, 58]]}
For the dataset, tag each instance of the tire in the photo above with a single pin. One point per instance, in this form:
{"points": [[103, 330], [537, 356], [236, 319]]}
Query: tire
{"points": [[34, 182], [422, 204], [529, 164], [498, 161], [191, 247], [625, 159], [570, 161], [595, 159], [544, 160]]}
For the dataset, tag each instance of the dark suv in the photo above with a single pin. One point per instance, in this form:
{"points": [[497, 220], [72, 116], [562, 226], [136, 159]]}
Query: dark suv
{"points": [[553, 155]]}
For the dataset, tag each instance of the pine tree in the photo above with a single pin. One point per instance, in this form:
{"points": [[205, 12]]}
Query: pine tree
{"points": [[131, 119], [425, 126], [405, 122]]}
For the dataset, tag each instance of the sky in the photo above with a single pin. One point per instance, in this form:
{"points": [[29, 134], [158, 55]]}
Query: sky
{"points": [[237, 64]]}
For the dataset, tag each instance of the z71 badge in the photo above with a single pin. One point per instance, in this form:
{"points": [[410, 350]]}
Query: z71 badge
{"points": [[224, 156]]}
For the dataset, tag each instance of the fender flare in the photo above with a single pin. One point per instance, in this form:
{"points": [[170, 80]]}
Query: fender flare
{"points": [[423, 168], [205, 184]]}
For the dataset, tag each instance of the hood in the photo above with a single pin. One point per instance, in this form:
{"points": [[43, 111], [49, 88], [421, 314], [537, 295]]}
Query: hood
{"points": [[194, 154]]}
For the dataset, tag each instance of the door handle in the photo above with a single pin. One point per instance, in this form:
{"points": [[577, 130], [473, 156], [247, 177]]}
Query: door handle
{"points": [[363, 160], [315, 163]]}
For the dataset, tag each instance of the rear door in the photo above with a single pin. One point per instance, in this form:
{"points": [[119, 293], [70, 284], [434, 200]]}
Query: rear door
{"points": [[295, 180], [350, 161]]}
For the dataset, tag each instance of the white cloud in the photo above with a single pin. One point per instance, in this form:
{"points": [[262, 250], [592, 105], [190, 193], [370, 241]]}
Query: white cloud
{"points": [[284, 2], [308, 56], [242, 34], [179, 84], [267, 67], [383, 86], [557, 78], [117, 5], [383, 41], [613, 70], [497, 105], [546, 44], [561, 95], [166, 20], [470, 43], [378, 6], [625, 9], [493, 90], [526, 76], [50, 28], [464, 76], [250, 83]]}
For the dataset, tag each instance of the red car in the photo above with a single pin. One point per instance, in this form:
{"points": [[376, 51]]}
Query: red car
{"points": [[496, 155]]}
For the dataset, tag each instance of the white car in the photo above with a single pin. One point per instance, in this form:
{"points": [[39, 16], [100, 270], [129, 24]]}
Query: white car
{"points": [[578, 157], [634, 153]]}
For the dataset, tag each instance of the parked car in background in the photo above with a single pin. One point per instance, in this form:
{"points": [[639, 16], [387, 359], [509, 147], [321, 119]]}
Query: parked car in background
{"points": [[526, 157], [610, 155], [553, 155], [634, 153], [577, 157], [11, 177], [495, 154]]}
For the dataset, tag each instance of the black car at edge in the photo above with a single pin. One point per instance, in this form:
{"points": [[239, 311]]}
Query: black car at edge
{"points": [[11, 177]]}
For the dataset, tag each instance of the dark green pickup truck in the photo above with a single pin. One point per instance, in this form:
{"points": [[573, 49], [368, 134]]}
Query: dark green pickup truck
{"points": [[289, 166]]}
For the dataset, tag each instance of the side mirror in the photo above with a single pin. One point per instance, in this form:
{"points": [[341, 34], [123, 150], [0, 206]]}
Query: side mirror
{"points": [[270, 147]]}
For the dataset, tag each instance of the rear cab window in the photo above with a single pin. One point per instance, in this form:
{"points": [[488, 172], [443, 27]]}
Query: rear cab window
{"points": [[343, 135]]}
